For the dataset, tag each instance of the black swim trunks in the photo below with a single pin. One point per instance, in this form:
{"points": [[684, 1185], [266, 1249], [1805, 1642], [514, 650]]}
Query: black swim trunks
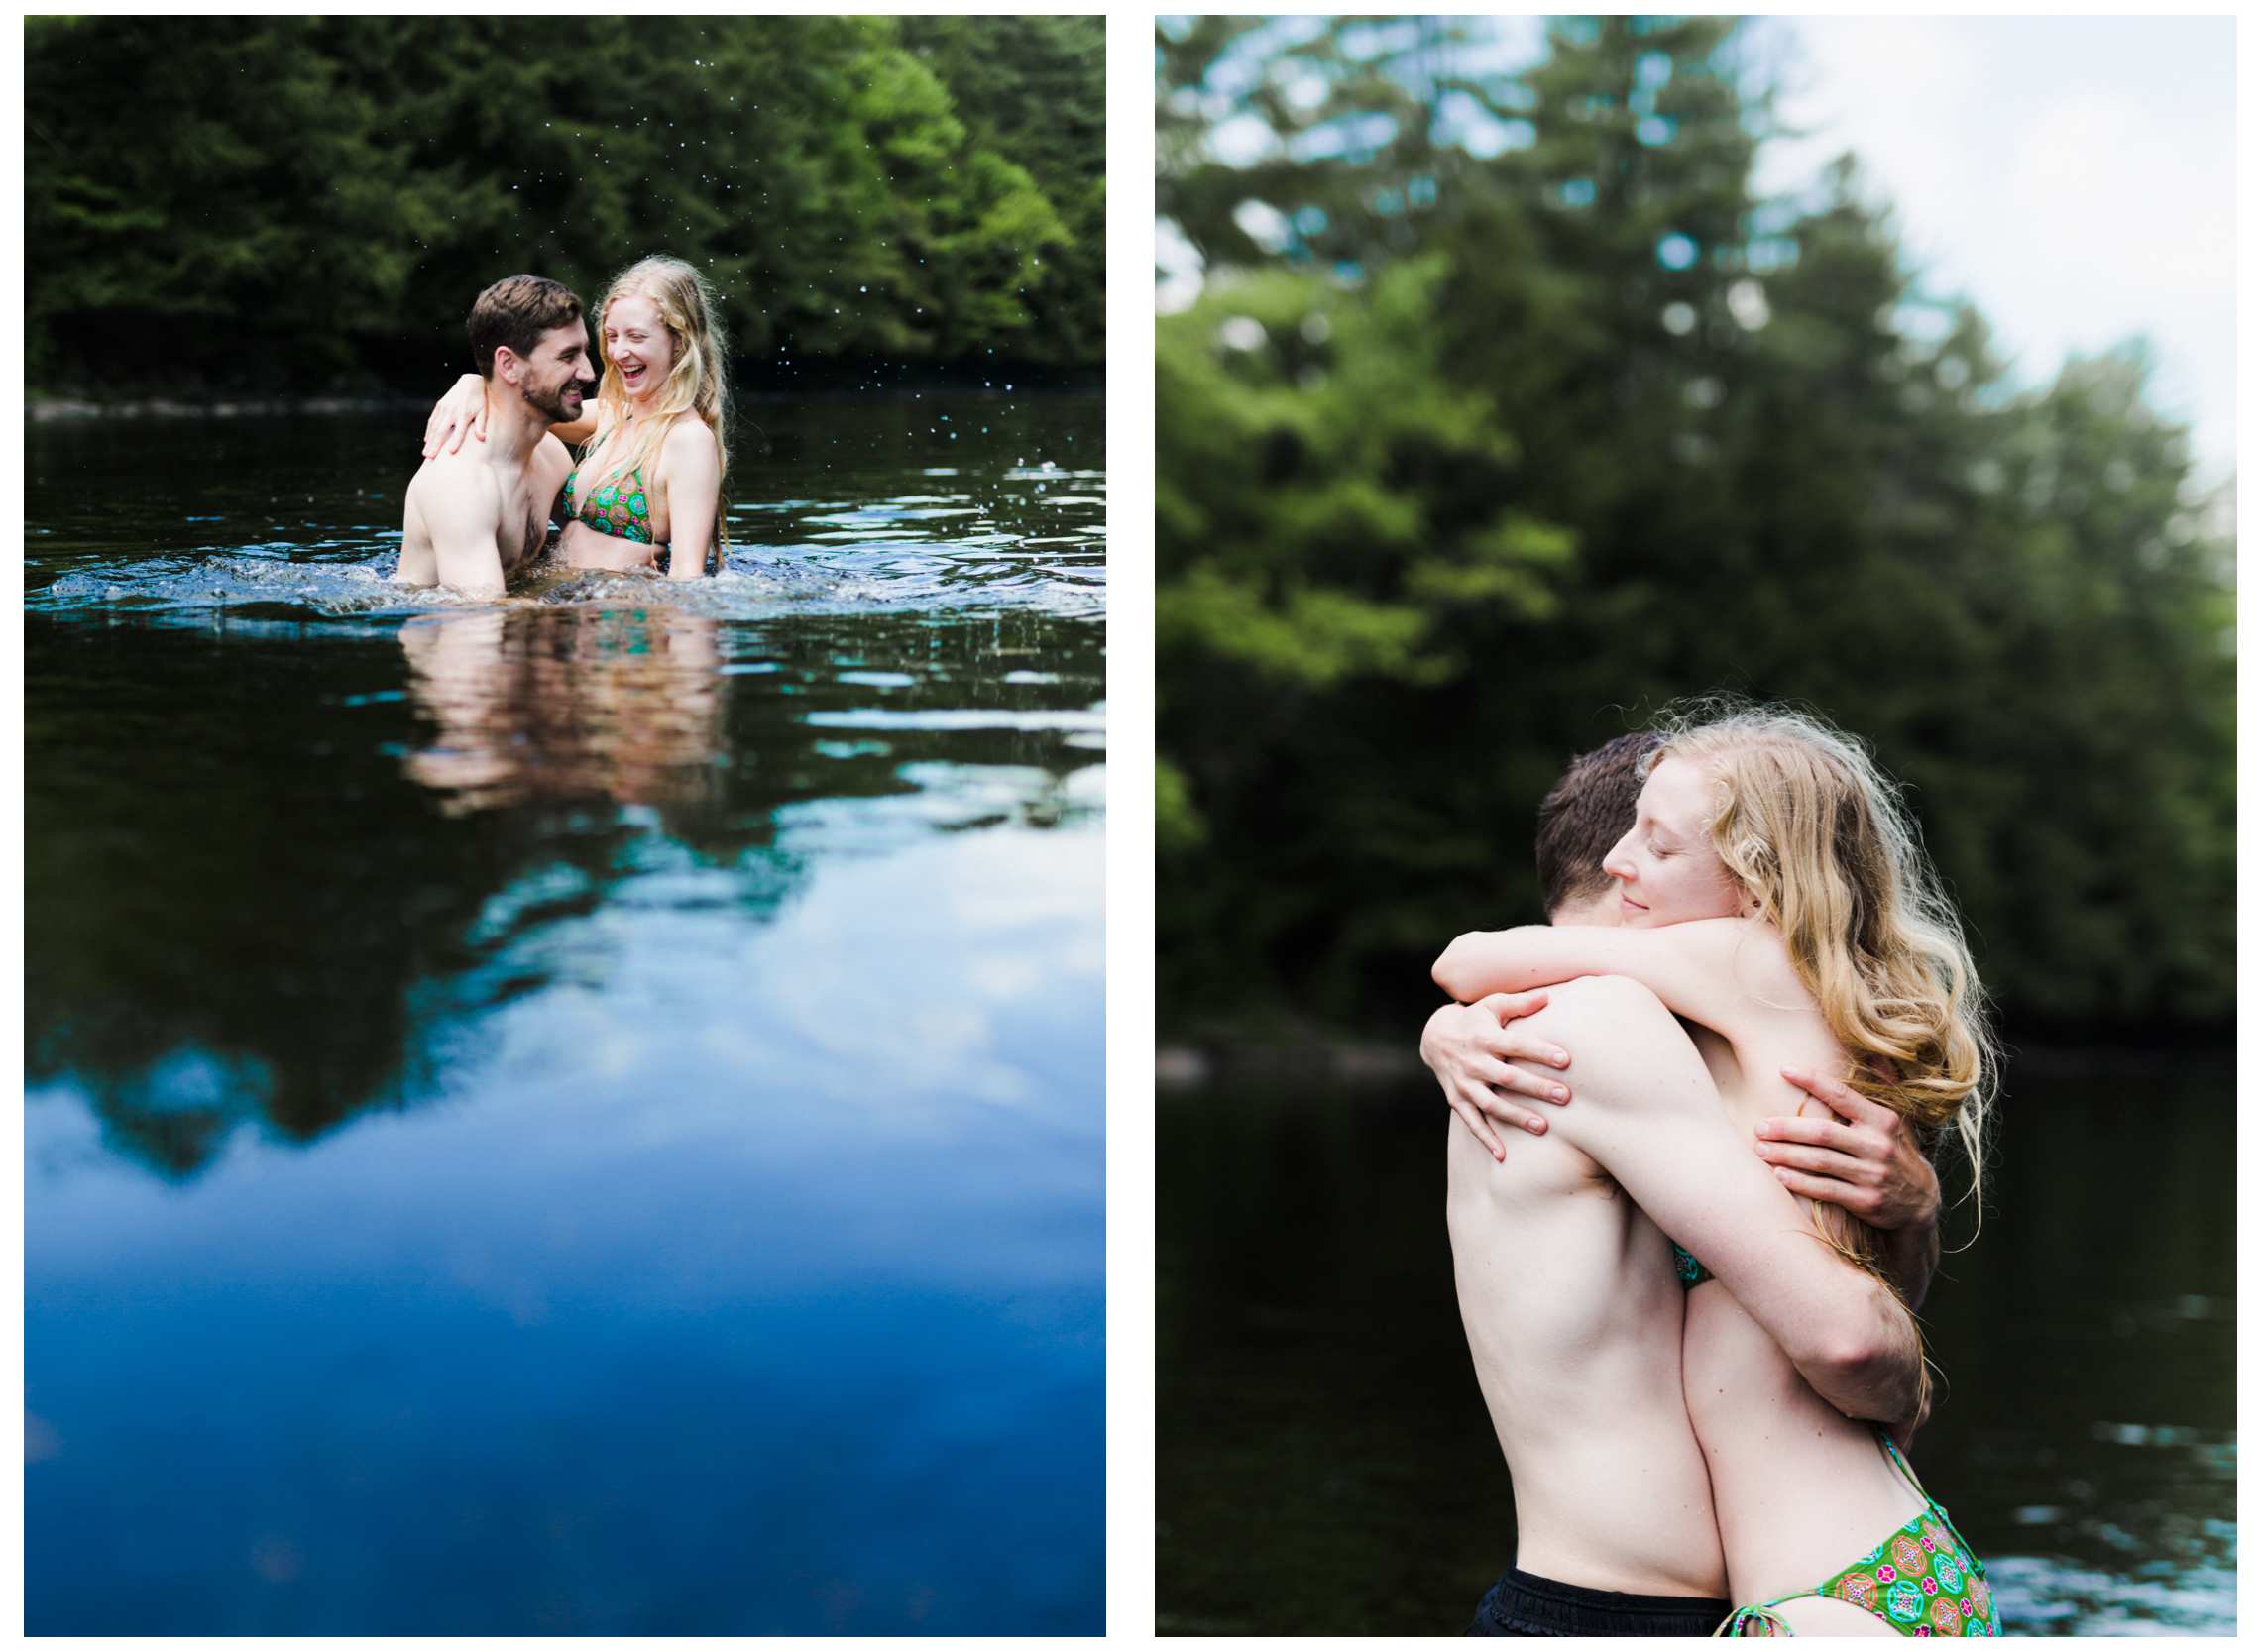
{"points": [[1523, 1605]]}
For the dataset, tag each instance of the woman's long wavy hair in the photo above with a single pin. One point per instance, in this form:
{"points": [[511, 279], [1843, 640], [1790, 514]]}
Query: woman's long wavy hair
{"points": [[1822, 842], [696, 383]]}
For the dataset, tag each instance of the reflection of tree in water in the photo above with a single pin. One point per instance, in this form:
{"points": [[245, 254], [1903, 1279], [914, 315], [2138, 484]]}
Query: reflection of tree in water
{"points": [[559, 703], [246, 902], [238, 911]]}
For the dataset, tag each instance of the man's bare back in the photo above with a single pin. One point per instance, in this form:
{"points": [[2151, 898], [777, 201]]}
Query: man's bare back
{"points": [[1573, 1314], [1568, 1292]]}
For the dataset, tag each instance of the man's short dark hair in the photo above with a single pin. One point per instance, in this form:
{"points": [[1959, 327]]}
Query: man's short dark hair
{"points": [[513, 315], [1590, 807]]}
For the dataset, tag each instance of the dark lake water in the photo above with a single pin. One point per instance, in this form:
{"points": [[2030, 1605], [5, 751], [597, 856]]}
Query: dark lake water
{"points": [[1326, 1466], [583, 1118]]}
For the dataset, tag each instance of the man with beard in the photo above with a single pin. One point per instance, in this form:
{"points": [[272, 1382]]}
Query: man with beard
{"points": [[474, 514]]}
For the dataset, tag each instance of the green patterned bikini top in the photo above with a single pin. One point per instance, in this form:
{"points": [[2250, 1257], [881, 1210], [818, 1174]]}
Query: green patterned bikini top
{"points": [[616, 507], [1692, 1271]]}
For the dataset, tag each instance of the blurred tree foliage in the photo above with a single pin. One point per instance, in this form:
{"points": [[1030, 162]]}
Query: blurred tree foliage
{"points": [[266, 202], [1509, 414]]}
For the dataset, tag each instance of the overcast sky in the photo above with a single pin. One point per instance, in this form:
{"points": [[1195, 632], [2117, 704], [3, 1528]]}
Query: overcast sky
{"points": [[2073, 176]]}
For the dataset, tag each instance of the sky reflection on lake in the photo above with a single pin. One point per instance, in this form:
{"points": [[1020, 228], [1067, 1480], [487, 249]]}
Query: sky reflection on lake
{"points": [[551, 1121]]}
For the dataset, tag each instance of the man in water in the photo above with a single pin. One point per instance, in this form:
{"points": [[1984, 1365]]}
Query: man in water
{"points": [[1567, 1286], [472, 517]]}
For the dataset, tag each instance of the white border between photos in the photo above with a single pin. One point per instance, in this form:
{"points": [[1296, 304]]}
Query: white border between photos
{"points": [[2249, 347], [1130, 827], [12, 833]]}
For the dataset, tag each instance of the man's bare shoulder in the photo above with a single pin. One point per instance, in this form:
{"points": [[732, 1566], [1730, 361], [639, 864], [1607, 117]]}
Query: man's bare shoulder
{"points": [[456, 483], [1547, 1168], [1602, 998], [547, 468], [451, 510], [1630, 1058], [549, 455]]}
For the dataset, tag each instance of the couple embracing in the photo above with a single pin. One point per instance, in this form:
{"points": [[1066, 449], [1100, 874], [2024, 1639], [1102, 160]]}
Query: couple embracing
{"points": [[645, 494], [1701, 1360]]}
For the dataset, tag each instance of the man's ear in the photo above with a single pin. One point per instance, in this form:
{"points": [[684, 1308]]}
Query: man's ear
{"points": [[507, 365]]}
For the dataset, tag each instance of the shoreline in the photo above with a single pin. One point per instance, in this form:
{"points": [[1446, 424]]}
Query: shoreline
{"points": [[754, 383], [48, 410], [63, 409], [1187, 1064]]}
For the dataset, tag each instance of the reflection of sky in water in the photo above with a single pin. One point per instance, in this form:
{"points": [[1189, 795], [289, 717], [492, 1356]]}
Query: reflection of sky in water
{"points": [[559, 1123], [836, 1177], [2179, 1571], [2041, 1597]]}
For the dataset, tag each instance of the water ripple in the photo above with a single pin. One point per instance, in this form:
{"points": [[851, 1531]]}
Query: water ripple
{"points": [[1015, 537]]}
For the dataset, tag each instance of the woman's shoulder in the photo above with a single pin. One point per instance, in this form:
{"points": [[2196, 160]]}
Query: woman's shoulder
{"points": [[689, 447], [1751, 948], [1754, 950], [1713, 935], [689, 436]]}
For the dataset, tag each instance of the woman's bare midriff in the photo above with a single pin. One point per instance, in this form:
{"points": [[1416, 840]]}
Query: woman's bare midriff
{"points": [[581, 546], [1799, 1490]]}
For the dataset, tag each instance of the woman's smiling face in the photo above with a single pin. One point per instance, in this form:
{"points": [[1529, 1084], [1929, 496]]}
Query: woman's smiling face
{"points": [[1666, 868], [638, 344]]}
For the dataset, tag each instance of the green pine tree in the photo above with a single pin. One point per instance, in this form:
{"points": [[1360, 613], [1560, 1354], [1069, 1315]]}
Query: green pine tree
{"points": [[1781, 471]]}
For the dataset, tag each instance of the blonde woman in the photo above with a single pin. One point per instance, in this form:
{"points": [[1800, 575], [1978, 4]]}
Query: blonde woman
{"points": [[654, 444], [1771, 893]]}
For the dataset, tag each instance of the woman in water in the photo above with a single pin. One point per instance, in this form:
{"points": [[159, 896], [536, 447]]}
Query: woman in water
{"points": [[654, 443], [1772, 893]]}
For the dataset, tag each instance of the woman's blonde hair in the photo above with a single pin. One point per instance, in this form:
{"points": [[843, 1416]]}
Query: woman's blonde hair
{"points": [[696, 382], [1822, 841]]}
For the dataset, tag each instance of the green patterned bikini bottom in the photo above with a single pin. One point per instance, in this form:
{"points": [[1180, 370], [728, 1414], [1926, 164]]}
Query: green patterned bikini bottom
{"points": [[1923, 1580]]}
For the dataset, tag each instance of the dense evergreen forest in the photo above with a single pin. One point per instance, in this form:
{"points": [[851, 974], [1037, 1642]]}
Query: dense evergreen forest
{"points": [[1469, 463], [279, 203]]}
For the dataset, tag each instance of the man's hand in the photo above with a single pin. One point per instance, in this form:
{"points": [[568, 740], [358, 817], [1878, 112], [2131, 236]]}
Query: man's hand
{"points": [[1865, 1160], [1469, 1048]]}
